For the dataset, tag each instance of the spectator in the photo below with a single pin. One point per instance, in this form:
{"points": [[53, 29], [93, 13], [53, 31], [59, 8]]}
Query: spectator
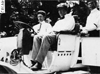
{"points": [[93, 20]]}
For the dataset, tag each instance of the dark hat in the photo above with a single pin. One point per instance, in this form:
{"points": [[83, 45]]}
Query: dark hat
{"points": [[41, 12]]}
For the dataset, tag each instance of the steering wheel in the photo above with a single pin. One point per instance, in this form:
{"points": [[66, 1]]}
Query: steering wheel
{"points": [[20, 24]]}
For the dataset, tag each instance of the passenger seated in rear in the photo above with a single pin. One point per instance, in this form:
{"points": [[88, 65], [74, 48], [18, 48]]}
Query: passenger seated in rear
{"points": [[65, 24], [93, 20]]}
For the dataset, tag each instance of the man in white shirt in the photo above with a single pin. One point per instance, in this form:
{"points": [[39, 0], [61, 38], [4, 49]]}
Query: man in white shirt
{"points": [[93, 20], [24, 40], [41, 29], [65, 24]]}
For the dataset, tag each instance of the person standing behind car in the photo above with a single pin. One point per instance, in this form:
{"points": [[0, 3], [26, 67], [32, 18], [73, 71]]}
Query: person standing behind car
{"points": [[93, 20]]}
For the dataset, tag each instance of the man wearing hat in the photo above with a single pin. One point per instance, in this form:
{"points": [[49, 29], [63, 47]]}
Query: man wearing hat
{"points": [[24, 40], [41, 29], [93, 20], [65, 24]]}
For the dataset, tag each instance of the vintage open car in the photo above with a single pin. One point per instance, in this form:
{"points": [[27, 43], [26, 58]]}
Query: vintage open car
{"points": [[69, 45]]}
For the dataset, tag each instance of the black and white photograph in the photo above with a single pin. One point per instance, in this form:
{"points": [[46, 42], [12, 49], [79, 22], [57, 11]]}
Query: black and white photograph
{"points": [[50, 36]]}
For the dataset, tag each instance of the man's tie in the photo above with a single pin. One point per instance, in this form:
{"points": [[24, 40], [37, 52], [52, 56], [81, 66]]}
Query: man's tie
{"points": [[39, 28]]}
